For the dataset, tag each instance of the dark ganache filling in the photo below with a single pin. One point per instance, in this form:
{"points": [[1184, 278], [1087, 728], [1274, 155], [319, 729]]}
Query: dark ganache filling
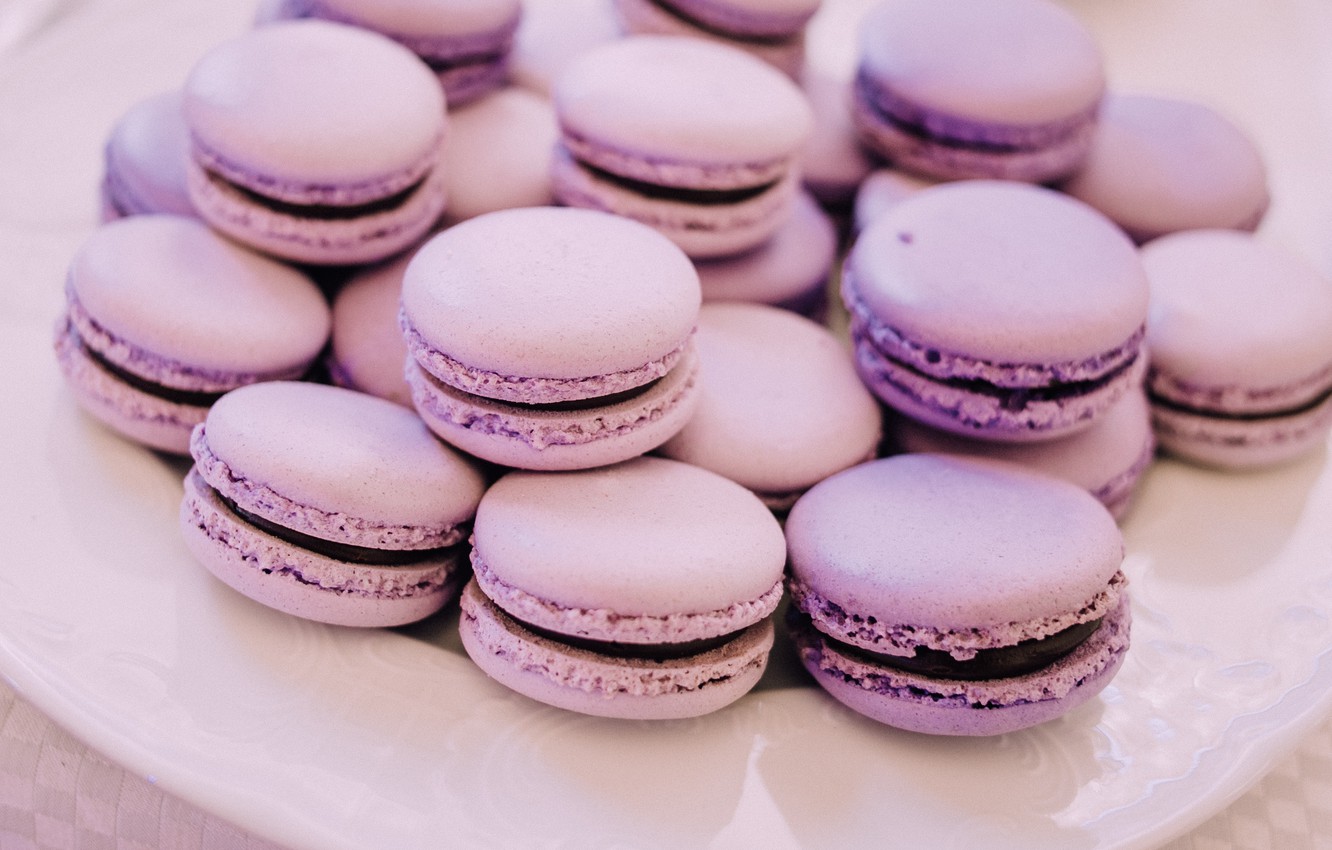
{"points": [[698, 24], [323, 212], [702, 197], [190, 398], [348, 552], [998, 663], [644, 651], [1213, 413], [585, 403]]}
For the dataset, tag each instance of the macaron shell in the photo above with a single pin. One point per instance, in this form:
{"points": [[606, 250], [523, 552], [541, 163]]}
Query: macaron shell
{"points": [[648, 17], [312, 108], [170, 289], [781, 406], [145, 159], [367, 349], [682, 100], [650, 537], [833, 162], [1000, 271], [551, 35], [498, 154], [302, 583], [755, 18], [952, 543], [337, 464], [527, 437], [547, 292], [437, 18], [1010, 62], [1242, 444], [582, 681], [944, 707]]}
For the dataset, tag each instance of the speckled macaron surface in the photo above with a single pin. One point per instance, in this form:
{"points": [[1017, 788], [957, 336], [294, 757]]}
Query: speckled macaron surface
{"points": [[996, 308], [1241, 367], [995, 88], [329, 504], [316, 141], [145, 156], [164, 315], [696, 139], [1162, 164], [781, 407], [643, 555], [550, 337], [914, 574]]}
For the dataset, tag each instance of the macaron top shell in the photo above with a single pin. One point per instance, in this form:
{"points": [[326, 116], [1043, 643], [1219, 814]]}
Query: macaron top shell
{"points": [[368, 350], [172, 287], [682, 100], [950, 543], [1003, 271], [336, 451], [498, 154], [649, 536], [145, 157], [551, 292], [427, 17], [315, 107], [1016, 62], [1229, 309]]}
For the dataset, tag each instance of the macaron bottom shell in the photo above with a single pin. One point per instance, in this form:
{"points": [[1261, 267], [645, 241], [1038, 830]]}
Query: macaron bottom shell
{"points": [[580, 680], [307, 584], [544, 437], [919, 703], [1240, 442]]}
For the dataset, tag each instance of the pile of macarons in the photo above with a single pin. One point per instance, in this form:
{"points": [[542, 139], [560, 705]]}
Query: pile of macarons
{"points": [[453, 307]]}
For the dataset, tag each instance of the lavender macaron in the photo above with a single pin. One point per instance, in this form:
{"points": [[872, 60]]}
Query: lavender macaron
{"points": [[770, 30], [1241, 341], [997, 309], [316, 142], [163, 316], [551, 338], [465, 42], [956, 596], [498, 154], [642, 590], [978, 88], [145, 157], [696, 139], [366, 349], [329, 504]]}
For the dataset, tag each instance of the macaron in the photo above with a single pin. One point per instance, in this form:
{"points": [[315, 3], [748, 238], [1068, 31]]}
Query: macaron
{"points": [[1107, 460], [780, 408], [551, 34], [1161, 164], [698, 140], [465, 42], [882, 190], [790, 270], [1241, 341], [551, 337], [498, 154], [768, 30], [366, 349], [997, 309], [163, 316], [641, 590], [144, 160], [956, 596], [833, 163], [316, 142], [978, 88], [329, 504]]}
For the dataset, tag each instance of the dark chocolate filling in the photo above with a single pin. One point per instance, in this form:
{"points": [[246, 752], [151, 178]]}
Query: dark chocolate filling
{"points": [[702, 197], [322, 212], [645, 651], [997, 663], [440, 65], [712, 29], [191, 398], [348, 552], [586, 403], [1212, 413]]}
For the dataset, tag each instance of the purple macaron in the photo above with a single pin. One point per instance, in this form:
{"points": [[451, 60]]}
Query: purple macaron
{"points": [[366, 349], [956, 596], [329, 504], [164, 315], [642, 590], [465, 42], [997, 309], [498, 154], [978, 88], [145, 157], [552, 338], [316, 142], [770, 30], [1241, 349], [696, 139]]}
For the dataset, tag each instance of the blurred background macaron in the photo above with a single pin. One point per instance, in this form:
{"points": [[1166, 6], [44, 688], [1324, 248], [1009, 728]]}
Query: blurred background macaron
{"points": [[329, 504], [316, 142], [163, 316], [366, 350], [144, 160]]}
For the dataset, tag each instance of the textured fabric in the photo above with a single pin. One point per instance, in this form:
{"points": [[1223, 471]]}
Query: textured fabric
{"points": [[56, 794]]}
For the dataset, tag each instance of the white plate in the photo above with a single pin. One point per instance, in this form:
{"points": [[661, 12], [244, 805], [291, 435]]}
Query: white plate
{"points": [[332, 738]]}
